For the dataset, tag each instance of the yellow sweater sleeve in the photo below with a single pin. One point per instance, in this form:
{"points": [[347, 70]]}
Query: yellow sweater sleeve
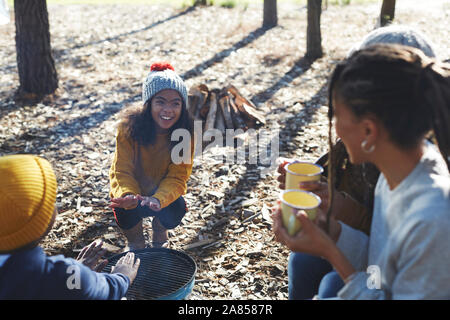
{"points": [[174, 183], [122, 175]]}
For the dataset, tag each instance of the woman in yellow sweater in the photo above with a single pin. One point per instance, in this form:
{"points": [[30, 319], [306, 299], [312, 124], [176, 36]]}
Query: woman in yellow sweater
{"points": [[143, 178]]}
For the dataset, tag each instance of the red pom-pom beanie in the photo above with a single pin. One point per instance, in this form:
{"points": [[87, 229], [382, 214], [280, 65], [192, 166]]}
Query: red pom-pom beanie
{"points": [[162, 76]]}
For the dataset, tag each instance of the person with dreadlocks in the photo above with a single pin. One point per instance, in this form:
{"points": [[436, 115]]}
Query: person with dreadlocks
{"points": [[354, 186], [384, 100]]}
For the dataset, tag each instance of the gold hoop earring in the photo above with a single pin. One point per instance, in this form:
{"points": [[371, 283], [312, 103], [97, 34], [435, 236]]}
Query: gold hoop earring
{"points": [[363, 147]]}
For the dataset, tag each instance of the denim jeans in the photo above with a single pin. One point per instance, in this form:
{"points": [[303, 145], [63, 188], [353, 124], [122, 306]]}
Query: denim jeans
{"points": [[330, 285], [310, 275], [169, 216]]}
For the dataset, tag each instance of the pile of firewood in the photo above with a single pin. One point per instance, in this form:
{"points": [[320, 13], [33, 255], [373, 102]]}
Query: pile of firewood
{"points": [[223, 109]]}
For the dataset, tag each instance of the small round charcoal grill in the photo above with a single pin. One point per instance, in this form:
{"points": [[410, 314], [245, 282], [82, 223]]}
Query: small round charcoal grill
{"points": [[164, 274]]}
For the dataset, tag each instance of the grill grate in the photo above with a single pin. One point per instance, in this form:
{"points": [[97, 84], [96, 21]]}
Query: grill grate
{"points": [[162, 273]]}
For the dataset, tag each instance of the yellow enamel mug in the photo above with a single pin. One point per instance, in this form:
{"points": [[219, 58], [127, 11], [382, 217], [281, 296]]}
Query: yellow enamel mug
{"points": [[297, 172], [300, 200]]}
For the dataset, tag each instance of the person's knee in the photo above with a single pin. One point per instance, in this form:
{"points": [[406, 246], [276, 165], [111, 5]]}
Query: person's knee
{"points": [[297, 258], [305, 273], [171, 216], [307, 268], [180, 206], [302, 261], [330, 285], [332, 277], [126, 219]]}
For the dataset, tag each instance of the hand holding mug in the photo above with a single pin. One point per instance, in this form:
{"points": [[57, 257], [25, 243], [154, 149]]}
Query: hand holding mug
{"points": [[320, 188], [310, 239], [300, 171], [293, 200], [282, 177]]}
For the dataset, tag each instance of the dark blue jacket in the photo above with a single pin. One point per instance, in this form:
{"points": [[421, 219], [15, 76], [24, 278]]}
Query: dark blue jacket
{"points": [[30, 274]]}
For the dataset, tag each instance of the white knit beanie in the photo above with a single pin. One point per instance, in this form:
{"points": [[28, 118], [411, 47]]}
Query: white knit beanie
{"points": [[397, 34], [162, 76]]}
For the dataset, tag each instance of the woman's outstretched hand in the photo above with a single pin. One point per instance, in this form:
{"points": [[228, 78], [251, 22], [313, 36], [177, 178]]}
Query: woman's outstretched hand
{"points": [[151, 202], [133, 200], [125, 202]]}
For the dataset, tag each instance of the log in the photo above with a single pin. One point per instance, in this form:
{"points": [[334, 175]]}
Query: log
{"points": [[203, 87], [204, 107], [195, 91], [204, 110], [235, 92], [252, 113], [202, 93], [245, 106], [211, 117], [220, 121], [193, 103], [238, 121], [225, 106], [223, 109], [250, 122]]}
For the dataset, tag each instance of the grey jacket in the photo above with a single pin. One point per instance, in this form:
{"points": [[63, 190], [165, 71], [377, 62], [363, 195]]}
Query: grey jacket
{"points": [[407, 255]]}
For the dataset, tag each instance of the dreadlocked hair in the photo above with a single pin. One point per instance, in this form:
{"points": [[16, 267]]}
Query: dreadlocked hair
{"points": [[407, 91]]}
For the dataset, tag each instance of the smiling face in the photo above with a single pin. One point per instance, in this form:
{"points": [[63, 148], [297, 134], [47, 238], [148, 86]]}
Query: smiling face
{"points": [[166, 108]]}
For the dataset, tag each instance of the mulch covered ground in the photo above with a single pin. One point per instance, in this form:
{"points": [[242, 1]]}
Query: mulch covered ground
{"points": [[102, 55]]}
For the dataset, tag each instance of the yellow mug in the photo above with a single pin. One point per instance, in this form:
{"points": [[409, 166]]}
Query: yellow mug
{"points": [[297, 172], [300, 200]]}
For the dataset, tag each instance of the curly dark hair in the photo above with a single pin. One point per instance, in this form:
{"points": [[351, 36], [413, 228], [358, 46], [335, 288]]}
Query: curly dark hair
{"points": [[141, 127]]}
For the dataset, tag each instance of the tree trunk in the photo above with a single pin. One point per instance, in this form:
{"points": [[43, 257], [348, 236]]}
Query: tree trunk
{"points": [[270, 18], [313, 35], [200, 2], [387, 12], [37, 73]]}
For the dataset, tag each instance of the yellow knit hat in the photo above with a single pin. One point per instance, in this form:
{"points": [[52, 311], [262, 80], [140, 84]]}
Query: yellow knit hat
{"points": [[27, 199]]}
